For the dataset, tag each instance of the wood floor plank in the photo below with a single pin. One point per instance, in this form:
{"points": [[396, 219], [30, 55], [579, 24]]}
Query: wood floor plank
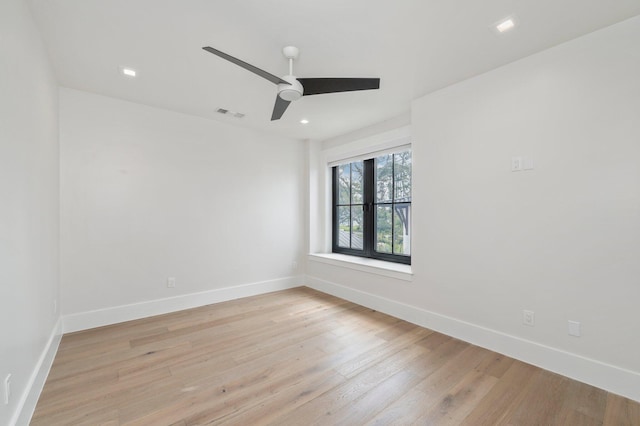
{"points": [[221, 391], [343, 395], [301, 357], [495, 365], [460, 400], [280, 393], [372, 402], [621, 411], [585, 403], [494, 406], [368, 358], [442, 369], [544, 395]]}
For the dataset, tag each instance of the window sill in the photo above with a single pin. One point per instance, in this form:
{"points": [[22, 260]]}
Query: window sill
{"points": [[372, 266]]}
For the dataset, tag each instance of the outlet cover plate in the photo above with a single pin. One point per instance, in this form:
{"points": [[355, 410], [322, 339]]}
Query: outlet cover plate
{"points": [[574, 328], [528, 318]]}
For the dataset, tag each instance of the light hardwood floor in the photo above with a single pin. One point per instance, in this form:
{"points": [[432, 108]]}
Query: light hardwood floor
{"points": [[300, 357]]}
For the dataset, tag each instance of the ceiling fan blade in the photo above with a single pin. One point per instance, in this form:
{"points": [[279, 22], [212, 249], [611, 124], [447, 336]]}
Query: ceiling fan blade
{"points": [[262, 73], [317, 86], [279, 108]]}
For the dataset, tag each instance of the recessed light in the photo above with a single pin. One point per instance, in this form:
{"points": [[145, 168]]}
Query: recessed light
{"points": [[502, 27], [129, 72], [304, 121], [505, 24]]}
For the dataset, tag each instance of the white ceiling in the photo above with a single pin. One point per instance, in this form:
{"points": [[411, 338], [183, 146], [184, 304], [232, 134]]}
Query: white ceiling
{"points": [[414, 46]]}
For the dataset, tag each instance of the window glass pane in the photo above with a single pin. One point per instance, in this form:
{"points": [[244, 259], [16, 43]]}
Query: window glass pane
{"points": [[344, 231], [401, 234], [385, 181], [356, 227], [383, 229], [344, 184], [384, 178], [402, 178], [357, 170]]}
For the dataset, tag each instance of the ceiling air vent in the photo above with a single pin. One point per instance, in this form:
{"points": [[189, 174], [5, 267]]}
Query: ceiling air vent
{"points": [[231, 113]]}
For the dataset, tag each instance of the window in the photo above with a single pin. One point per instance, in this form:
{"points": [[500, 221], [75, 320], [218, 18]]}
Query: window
{"points": [[372, 207]]}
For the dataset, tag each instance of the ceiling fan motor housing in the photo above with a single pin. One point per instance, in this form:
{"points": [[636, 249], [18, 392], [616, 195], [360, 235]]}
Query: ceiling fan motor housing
{"points": [[292, 91]]}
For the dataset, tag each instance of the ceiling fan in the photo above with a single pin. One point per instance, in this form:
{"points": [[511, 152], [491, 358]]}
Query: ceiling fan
{"points": [[291, 88]]}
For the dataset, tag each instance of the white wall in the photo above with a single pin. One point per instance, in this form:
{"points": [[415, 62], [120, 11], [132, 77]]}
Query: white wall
{"points": [[148, 194], [29, 206], [562, 240]]}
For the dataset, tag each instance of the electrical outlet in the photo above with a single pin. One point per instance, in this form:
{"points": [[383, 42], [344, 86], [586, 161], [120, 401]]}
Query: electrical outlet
{"points": [[294, 265], [171, 282], [528, 318], [7, 389]]}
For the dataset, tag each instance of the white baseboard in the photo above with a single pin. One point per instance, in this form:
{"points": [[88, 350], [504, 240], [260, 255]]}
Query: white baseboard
{"points": [[596, 373], [29, 399], [117, 314]]}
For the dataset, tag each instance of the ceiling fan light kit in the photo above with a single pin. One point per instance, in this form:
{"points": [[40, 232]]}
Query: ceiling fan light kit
{"points": [[291, 91], [291, 88]]}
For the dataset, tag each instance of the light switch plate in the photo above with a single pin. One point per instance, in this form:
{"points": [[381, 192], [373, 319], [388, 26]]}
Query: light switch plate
{"points": [[574, 328], [516, 164], [527, 163]]}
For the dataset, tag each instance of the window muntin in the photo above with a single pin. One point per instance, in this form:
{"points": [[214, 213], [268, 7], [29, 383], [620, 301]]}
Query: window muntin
{"points": [[372, 207]]}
